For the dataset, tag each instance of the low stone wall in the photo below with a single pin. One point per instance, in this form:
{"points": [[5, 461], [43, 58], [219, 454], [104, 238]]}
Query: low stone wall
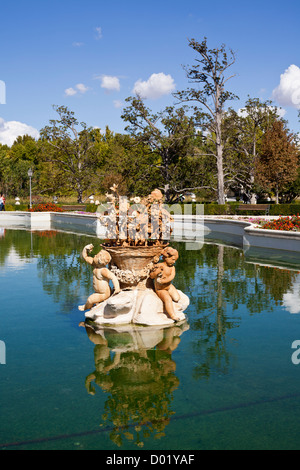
{"points": [[200, 228], [244, 233], [82, 223], [34, 220], [271, 239]]}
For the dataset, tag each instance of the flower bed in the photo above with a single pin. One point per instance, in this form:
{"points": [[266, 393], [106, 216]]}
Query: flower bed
{"points": [[291, 224], [49, 207]]}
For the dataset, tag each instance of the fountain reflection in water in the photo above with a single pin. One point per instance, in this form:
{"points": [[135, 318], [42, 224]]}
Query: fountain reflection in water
{"points": [[134, 366]]}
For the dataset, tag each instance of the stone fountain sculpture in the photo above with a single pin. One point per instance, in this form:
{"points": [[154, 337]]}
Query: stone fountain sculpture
{"points": [[142, 292]]}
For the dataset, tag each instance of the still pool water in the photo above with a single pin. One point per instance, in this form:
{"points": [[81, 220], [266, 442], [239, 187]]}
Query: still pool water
{"points": [[225, 379]]}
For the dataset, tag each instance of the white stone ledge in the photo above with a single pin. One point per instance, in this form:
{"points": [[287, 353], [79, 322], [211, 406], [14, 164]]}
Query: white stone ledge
{"points": [[274, 239], [243, 230], [36, 220]]}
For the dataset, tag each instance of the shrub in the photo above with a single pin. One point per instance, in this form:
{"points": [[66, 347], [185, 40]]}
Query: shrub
{"points": [[91, 208], [284, 209], [220, 209], [13, 207]]}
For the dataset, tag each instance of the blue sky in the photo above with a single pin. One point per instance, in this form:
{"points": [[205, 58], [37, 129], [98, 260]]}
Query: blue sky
{"points": [[90, 55]]}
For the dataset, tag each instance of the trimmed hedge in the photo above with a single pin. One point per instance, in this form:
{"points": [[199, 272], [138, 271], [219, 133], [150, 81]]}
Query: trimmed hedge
{"points": [[285, 209], [13, 207], [232, 209], [220, 209], [209, 209], [91, 208]]}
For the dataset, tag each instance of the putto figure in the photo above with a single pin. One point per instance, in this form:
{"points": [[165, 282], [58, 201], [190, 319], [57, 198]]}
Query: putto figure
{"points": [[101, 277], [163, 275], [136, 237]]}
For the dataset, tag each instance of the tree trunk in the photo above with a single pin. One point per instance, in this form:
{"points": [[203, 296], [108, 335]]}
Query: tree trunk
{"points": [[276, 194], [219, 148], [219, 152], [221, 192], [79, 193], [253, 196]]}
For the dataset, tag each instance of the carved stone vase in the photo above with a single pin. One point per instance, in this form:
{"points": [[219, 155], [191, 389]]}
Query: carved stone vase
{"points": [[137, 301], [132, 264]]}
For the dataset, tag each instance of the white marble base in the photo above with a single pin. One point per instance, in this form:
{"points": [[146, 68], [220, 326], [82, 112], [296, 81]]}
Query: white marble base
{"points": [[138, 337], [142, 307]]}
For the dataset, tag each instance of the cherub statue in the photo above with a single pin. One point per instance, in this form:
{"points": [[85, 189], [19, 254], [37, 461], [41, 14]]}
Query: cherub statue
{"points": [[101, 278], [163, 275]]}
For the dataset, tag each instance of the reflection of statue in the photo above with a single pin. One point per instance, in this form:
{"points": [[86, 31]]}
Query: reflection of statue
{"points": [[163, 276], [101, 277], [133, 365]]}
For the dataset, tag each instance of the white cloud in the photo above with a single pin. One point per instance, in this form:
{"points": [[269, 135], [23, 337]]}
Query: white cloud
{"points": [[70, 92], [110, 83], [118, 104], [288, 91], [14, 260], [80, 87], [291, 300], [78, 44], [10, 130], [156, 86], [98, 32]]}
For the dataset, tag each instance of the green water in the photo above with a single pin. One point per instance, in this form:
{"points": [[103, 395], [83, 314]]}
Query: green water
{"points": [[222, 380]]}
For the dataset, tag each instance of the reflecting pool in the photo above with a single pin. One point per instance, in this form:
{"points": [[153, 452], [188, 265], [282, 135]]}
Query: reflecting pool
{"points": [[227, 378]]}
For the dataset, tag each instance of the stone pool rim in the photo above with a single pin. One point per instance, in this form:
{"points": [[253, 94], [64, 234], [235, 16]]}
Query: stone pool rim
{"points": [[250, 234]]}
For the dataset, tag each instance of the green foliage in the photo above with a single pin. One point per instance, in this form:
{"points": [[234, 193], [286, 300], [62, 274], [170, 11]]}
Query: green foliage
{"points": [[132, 167], [245, 131], [169, 140], [209, 73], [13, 207], [285, 209], [91, 208], [15, 163], [219, 209], [164, 150], [232, 209], [278, 163], [73, 148]]}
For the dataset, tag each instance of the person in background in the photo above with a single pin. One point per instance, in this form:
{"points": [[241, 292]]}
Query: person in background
{"points": [[2, 202]]}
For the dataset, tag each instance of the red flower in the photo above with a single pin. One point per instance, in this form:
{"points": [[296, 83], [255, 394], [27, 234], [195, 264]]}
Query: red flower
{"points": [[48, 207]]}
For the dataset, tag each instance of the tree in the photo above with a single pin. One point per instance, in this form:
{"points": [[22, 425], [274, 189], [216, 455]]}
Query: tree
{"points": [[170, 136], [292, 190], [278, 164], [73, 150], [247, 130], [3, 167], [15, 163], [209, 71], [132, 169]]}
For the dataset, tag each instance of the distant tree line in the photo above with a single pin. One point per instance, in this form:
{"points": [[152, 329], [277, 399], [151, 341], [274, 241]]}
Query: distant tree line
{"points": [[196, 145]]}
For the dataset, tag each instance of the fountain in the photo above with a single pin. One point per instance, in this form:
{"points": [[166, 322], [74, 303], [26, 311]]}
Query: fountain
{"points": [[130, 259]]}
